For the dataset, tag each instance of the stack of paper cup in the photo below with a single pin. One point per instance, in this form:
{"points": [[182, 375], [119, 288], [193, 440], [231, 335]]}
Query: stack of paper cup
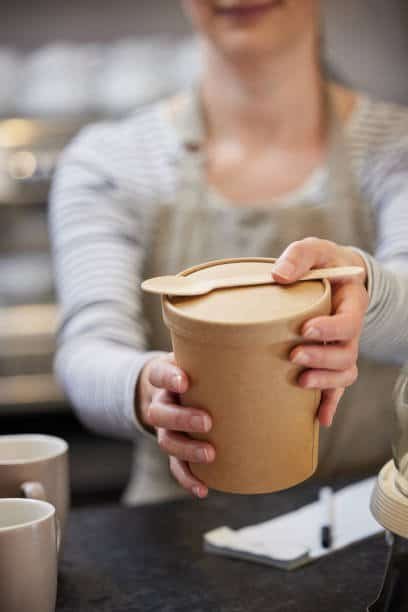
{"points": [[389, 505]]}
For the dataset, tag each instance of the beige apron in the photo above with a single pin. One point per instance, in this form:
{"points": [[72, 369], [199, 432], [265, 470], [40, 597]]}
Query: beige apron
{"points": [[197, 228]]}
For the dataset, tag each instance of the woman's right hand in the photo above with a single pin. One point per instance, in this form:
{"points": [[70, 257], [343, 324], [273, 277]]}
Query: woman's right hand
{"points": [[160, 385]]}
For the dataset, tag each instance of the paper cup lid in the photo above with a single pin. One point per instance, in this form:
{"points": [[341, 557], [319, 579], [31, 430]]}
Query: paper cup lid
{"points": [[243, 305], [245, 314]]}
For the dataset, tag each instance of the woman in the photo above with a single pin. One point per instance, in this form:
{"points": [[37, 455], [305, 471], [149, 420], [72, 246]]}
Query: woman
{"points": [[265, 153]]}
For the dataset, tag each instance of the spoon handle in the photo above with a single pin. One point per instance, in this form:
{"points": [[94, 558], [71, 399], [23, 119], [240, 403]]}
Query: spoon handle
{"points": [[334, 273], [266, 279]]}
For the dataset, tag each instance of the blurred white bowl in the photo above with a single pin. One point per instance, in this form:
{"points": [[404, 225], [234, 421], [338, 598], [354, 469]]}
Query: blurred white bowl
{"points": [[58, 80], [25, 278], [136, 72]]}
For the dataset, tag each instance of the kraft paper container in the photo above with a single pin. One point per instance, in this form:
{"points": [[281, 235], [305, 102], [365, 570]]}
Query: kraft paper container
{"points": [[234, 346]]}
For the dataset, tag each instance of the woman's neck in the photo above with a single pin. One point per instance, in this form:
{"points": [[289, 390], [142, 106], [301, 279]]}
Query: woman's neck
{"points": [[275, 99]]}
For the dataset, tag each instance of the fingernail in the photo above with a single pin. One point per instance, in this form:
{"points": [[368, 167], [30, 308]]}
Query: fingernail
{"points": [[329, 422], [332, 417], [312, 333], [310, 384], [202, 455], [207, 423], [198, 492], [176, 382], [199, 423], [301, 358], [285, 269]]}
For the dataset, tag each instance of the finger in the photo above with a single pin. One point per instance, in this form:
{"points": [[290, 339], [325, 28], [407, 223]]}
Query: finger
{"points": [[302, 256], [164, 374], [328, 406], [327, 379], [187, 480], [350, 303], [182, 447], [336, 328], [167, 415], [326, 357]]}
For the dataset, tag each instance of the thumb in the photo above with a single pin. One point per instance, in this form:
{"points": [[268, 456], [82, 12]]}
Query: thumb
{"points": [[301, 257]]}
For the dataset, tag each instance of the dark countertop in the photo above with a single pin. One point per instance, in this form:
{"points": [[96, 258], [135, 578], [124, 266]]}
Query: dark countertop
{"points": [[150, 559]]}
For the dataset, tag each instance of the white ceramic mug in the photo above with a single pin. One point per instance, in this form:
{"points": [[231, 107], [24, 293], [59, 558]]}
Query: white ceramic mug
{"points": [[36, 466], [28, 556]]}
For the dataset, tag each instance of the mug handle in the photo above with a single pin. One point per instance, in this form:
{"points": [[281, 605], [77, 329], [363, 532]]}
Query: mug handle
{"points": [[35, 490]]}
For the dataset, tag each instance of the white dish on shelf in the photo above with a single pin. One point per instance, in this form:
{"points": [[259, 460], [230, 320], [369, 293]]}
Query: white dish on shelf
{"points": [[25, 278], [59, 80]]}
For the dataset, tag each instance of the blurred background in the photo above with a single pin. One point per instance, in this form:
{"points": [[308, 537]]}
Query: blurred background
{"points": [[63, 65]]}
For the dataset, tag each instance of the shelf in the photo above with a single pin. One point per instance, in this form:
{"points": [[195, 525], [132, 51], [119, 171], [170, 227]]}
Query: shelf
{"points": [[27, 335], [29, 151], [30, 393], [28, 322]]}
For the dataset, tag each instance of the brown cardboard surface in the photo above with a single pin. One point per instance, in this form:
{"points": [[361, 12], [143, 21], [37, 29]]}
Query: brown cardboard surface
{"points": [[234, 346]]}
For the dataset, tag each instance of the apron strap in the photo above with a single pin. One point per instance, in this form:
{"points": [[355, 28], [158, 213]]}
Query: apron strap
{"points": [[187, 120], [349, 210]]}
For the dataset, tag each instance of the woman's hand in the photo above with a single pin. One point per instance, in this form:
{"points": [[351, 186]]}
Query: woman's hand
{"points": [[160, 384], [330, 367], [333, 366]]}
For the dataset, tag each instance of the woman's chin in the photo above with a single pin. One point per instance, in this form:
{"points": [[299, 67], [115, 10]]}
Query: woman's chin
{"points": [[247, 43]]}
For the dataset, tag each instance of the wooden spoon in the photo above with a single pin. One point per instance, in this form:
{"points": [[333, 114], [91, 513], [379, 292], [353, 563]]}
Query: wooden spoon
{"points": [[190, 286]]}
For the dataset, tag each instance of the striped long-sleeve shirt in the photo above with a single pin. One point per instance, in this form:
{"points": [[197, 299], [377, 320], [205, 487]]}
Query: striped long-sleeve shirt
{"points": [[108, 182]]}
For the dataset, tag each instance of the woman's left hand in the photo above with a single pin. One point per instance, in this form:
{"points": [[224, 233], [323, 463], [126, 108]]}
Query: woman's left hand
{"points": [[330, 367]]}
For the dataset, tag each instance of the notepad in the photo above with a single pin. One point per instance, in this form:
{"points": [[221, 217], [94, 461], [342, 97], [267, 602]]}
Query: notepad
{"points": [[293, 540]]}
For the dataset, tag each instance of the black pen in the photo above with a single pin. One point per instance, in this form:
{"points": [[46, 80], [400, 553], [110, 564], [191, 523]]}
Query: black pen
{"points": [[326, 499]]}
